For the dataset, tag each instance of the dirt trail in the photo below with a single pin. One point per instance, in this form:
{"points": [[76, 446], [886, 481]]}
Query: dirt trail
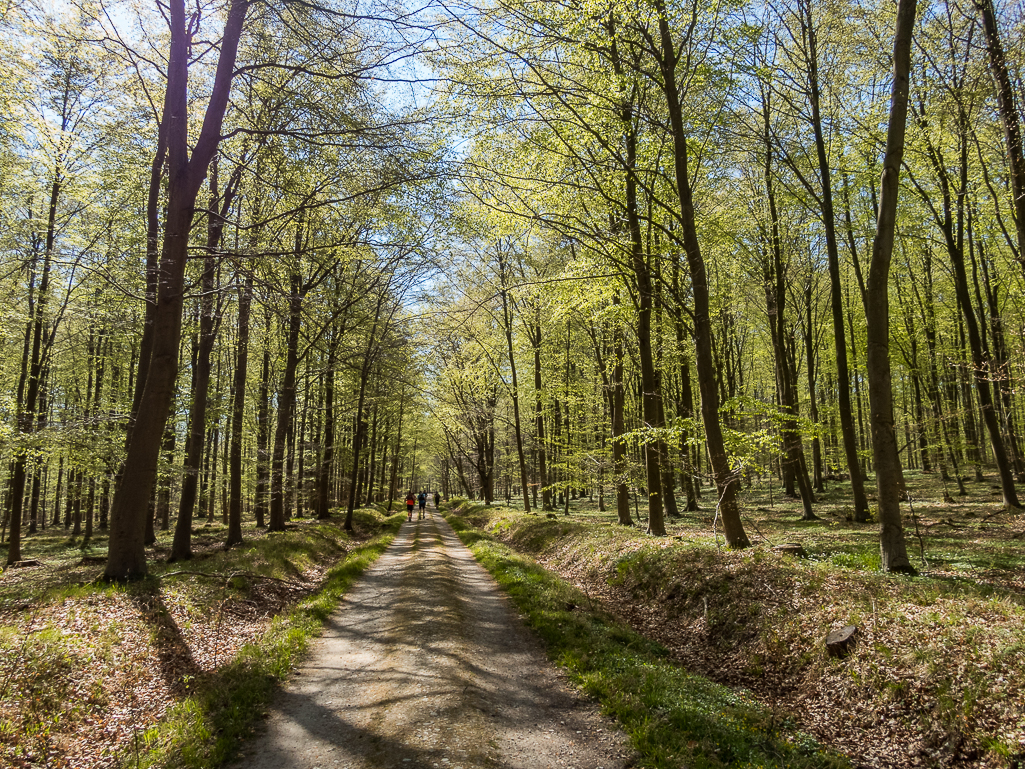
{"points": [[425, 665]]}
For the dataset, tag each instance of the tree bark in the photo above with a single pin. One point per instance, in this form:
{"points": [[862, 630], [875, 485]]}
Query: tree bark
{"points": [[369, 356], [651, 388], [508, 322], [534, 332], [1009, 118], [286, 403], [126, 554], [328, 450], [889, 476], [181, 548], [619, 428], [393, 482], [26, 412], [775, 296], [850, 439], [261, 504], [813, 409], [238, 410], [726, 480]]}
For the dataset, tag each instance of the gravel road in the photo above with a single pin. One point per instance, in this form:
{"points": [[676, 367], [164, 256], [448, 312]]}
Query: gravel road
{"points": [[426, 665]]}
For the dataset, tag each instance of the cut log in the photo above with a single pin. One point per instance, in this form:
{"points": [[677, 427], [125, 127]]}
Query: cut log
{"points": [[26, 563], [839, 643], [791, 548]]}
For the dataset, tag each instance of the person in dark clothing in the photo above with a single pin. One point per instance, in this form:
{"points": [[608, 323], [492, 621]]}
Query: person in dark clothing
{"points": [[437, 500], [422, 499], [410, 501]]}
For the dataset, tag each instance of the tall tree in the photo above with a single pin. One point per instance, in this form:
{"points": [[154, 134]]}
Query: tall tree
{"points": [[889, 477], [186, 171]]}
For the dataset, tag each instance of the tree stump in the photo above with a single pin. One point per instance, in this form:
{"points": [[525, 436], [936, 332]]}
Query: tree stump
{"points": [[839, 643]]}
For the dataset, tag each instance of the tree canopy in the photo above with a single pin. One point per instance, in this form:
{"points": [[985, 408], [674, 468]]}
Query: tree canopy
{"points": [[276, 260]]}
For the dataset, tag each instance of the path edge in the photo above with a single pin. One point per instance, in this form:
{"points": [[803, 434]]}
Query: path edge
{"points": [[205, 730]]}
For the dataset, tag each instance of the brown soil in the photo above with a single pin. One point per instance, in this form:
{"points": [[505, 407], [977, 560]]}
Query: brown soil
{"points": [[122, 660]]}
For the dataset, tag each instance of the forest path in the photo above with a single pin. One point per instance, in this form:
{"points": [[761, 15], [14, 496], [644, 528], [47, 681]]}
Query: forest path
{"points": [[425, 665]]}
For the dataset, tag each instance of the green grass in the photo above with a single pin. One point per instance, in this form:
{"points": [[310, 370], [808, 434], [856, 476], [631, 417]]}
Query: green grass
{"points": [[941, 654], [204, 729], [59, 674], [673, 718]]}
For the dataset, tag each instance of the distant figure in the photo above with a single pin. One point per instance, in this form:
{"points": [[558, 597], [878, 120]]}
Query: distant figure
{"points": [[437, 500], [422, 499], [410, 501]]}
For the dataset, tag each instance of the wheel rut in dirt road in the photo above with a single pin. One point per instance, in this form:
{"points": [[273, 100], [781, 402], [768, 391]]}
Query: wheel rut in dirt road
{"points": [[425, 665]]}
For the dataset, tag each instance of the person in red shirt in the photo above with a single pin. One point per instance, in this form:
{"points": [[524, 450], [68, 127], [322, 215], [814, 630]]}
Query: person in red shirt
{"points": [[410, 502]]}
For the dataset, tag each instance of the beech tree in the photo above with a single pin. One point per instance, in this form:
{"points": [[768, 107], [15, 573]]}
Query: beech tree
{"points": [[651, 247]]}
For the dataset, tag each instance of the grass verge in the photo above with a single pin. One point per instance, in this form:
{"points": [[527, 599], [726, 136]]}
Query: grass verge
{"points": [[204, 729], [673, 718], [937, 673]]}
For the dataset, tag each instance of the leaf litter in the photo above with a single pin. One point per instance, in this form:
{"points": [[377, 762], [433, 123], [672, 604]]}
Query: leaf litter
{"points": [[937, 675], [83, 677]]}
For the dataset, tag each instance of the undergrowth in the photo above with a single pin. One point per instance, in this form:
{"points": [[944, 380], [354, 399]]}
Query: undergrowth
{"points": [[937, 675], [204, 729], [673, 718]]}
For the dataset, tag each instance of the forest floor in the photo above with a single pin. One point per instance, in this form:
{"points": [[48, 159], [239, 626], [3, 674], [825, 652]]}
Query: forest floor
{"points": [[937, 675], [95, 675], [176, 669]]}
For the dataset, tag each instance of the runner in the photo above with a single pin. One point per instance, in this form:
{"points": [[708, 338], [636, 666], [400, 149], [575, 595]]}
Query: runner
{"points": [[410, 501], [437, 500], [422, 499]]}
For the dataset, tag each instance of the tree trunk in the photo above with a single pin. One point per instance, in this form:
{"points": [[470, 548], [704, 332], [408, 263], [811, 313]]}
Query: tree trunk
{"points": [[889, 477], [369, 356], [56, 520], [850, 439], [393, 482], [508, 321], [324, 501], [775, 297], [163, 503], [650, 380], [534, 331], [371, 464], [813, 408], [1009, 118], [725, 479], [126, 553], [181, 548], [261, 503], [286, 403], [26, 411], [689, 468], [238, 410]]}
